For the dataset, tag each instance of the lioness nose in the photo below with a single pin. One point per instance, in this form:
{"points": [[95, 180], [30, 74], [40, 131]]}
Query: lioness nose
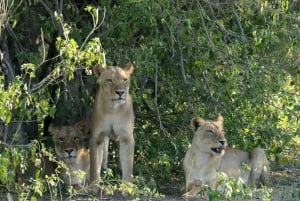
{"points": [[120, 92], [69, 151]]}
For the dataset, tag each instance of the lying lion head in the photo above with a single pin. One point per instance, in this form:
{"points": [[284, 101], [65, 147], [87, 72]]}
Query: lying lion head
{"points": [[69, 141], [209, 135], [114, 82]]}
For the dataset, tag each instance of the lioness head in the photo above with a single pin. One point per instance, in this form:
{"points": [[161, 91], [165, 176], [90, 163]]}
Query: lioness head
{"points": [[114, 82], [209, 135], [69, 141]]}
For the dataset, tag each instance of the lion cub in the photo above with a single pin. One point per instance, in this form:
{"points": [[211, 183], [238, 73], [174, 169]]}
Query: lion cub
{"points": [[70, 148], [113, 108], [209, 154]]}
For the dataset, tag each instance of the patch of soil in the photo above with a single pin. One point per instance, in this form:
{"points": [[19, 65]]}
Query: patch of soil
{"points": [[284, 186]]}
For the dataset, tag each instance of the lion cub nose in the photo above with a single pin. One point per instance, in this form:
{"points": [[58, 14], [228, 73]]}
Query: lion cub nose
{"points": [[120, 92]]}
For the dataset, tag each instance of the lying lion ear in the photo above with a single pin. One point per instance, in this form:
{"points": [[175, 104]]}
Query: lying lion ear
{"points": [[220, 118], [129, 68], [98, 68], [197, 122], [53, 129]]}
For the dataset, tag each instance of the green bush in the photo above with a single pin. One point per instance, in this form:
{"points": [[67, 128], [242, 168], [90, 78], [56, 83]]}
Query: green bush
{"points": [[192, 58]]}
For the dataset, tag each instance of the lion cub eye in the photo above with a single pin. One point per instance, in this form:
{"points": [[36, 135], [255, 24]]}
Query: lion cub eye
{"points": [[76, 139], [109, 80], [61, 140], [125, 80]]}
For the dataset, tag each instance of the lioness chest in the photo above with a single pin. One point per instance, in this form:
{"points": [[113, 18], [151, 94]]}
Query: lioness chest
{"points": [[114, 123], [201, 167]]}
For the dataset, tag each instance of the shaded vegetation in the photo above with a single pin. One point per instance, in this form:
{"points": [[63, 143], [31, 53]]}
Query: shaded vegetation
{"points": [[238, 58]]}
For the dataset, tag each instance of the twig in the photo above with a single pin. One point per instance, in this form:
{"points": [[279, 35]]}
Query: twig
{"points": [[43, 44], [181, 60], [96, 25], [244, 39], [156, 104], [204, 25], [6, 62], [207, 87], [47, 8]]}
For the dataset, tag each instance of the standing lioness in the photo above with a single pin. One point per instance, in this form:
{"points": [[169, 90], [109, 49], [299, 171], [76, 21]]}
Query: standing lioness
{"points": [[209, 154], [112, 117]]}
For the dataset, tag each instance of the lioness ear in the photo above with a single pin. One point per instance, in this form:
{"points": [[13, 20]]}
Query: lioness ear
{"points": [[197, 122], [129, 68], [98, 68], [53, 129], [220, 118]]}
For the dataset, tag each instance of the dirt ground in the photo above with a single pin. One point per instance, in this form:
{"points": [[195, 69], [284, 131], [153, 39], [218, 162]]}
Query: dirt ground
{"points": [[284, 186]]}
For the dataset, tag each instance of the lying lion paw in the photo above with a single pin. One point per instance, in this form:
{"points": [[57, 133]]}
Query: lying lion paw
{"points": [[93, 188]]}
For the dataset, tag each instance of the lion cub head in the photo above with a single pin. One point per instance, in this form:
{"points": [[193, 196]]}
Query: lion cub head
{"points": [[69, 142], [114, 82], [209, 135]]}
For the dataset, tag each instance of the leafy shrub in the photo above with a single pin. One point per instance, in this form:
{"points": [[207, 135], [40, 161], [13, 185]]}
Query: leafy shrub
{"points": [[192, 58]]}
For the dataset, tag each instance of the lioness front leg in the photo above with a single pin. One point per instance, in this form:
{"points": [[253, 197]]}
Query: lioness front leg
{"points": [[126, 157], [96, 156]]}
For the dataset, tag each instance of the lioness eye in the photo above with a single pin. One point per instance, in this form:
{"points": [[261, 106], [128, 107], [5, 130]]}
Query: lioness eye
{"points": [[109, 80], [61, 140], [125, 80]]}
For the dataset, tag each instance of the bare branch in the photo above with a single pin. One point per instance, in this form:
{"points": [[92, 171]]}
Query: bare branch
{"points": [[6, 63], [96, 25], [208, 90], [239, 23], [204, 25], [161, 126]]}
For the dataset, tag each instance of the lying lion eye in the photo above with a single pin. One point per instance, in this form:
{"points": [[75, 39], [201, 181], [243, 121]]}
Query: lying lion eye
{"points": [[76, 139], [125, 80], [210, 132], [109, 80], [61, 140]]}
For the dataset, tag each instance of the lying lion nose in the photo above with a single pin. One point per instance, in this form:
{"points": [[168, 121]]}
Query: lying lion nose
{"points": [[69, 151], [222, 142], [120, 92]]}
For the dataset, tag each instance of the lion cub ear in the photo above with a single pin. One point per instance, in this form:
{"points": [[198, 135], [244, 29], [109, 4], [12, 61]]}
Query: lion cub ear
{"points": [[53, 129], [129, 68], [82, 126], [197, 122], [98, 68]]}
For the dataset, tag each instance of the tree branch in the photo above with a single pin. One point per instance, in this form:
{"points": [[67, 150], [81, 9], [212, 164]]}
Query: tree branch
{"points": [[208, 90], [96, 25], [236, 16]]}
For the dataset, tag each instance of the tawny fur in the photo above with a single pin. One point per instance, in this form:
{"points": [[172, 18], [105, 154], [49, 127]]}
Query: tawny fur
{"points": [[113, 108], [70, 148], [209, 154]]}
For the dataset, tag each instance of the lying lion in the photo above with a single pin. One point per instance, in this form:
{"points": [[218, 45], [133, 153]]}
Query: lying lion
{"points": [[70, 148], [209, 154], [112, 118]]}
